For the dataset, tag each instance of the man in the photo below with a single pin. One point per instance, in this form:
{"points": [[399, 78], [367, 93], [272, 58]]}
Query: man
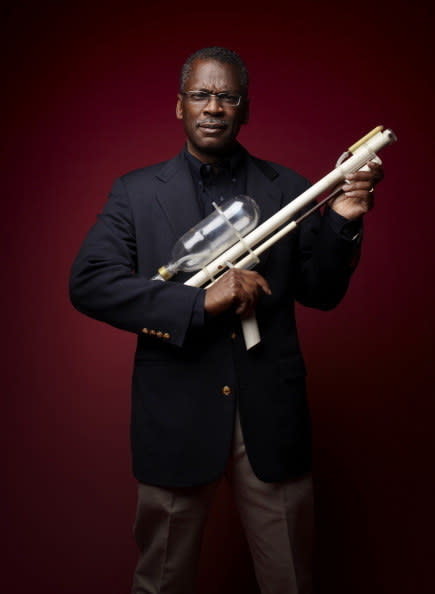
{"points": [[203, 406]]}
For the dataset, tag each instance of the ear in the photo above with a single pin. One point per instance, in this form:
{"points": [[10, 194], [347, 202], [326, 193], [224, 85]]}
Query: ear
{"points": [[245, 115], [179, 107]]}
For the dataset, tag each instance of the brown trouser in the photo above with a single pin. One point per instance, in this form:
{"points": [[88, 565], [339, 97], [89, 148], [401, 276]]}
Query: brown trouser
{"points": [[277, 519]]}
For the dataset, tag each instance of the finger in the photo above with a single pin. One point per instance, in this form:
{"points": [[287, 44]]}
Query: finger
{"points": [[255, 289], [247, 307], [375, 174], [360, 176], [246, 302], [263, 284], [255, 281], [377, 169], [242, 309], [248, 296], [250, 281], [357, 185], [359, 195]]}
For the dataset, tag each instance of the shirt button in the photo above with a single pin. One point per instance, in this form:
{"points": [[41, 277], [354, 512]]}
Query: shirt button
{"points": [[233, 336], [226, 391]]}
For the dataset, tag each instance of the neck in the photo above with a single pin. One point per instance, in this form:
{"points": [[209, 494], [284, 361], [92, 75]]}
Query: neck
{"points": [[210, 158]]}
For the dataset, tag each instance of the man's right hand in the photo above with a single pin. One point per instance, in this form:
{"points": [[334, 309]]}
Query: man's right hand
{"points": [[236, 288]]}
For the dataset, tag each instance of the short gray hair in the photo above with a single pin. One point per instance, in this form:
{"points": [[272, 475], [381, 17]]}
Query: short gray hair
{"points": [[220, 54]]}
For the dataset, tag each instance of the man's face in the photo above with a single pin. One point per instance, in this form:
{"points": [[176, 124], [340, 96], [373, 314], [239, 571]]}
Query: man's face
{"points": [[211, 128]]}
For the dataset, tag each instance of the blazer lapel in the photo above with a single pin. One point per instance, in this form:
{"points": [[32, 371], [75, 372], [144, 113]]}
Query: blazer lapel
{"points": [[267, 195], [177, 196]]}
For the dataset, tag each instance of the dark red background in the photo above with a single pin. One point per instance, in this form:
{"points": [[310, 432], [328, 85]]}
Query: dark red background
{"points": [[90, 93]]}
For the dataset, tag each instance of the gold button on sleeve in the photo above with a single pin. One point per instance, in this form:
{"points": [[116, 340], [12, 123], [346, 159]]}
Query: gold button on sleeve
{"points": [[145, 330], [226, 391], [166, 335]]}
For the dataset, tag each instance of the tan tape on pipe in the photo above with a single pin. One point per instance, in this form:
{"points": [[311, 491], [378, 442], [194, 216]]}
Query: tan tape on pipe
{"points": [[364, 139]]}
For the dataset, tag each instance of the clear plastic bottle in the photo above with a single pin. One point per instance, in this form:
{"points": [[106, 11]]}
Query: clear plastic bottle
{"points": [[212, 236]]}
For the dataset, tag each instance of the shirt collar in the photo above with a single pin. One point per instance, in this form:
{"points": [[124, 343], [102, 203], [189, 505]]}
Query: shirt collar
{"points": [[232, 162]]}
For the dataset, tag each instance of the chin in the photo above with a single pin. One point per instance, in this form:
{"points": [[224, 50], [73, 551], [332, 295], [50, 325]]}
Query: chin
{"points": [[214, 148]]}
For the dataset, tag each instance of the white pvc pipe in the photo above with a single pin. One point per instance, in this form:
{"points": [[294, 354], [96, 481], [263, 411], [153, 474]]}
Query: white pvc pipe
{"points": [[361, 156]]}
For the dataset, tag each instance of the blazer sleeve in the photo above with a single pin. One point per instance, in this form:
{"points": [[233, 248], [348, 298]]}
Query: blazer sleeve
{"points": [[104, 284], [326, 259]]}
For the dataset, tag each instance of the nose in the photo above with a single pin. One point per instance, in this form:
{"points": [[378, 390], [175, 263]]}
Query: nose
{"points": [[213, 106]]}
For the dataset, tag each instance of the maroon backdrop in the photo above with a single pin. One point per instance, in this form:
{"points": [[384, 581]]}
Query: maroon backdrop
{"points": [[90, 94]]}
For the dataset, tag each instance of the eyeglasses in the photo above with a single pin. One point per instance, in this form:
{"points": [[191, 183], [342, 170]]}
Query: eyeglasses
{"points": [[203, 97]]}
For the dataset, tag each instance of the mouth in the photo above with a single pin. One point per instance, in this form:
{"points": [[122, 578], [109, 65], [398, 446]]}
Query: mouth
{"points": [[212, 126]]}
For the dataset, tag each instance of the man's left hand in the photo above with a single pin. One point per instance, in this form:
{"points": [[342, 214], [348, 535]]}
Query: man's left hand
{"points": [[357, 197]]}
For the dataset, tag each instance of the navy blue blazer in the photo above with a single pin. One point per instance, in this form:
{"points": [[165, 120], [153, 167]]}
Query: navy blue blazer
{"points": [[189, 373]]}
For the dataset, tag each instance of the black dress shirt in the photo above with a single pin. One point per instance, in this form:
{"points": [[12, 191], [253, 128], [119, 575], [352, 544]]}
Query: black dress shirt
{"points": [[219, 181]]}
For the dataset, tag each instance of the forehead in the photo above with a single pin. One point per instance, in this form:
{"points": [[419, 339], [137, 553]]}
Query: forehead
{"points": [[214, 76]]}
